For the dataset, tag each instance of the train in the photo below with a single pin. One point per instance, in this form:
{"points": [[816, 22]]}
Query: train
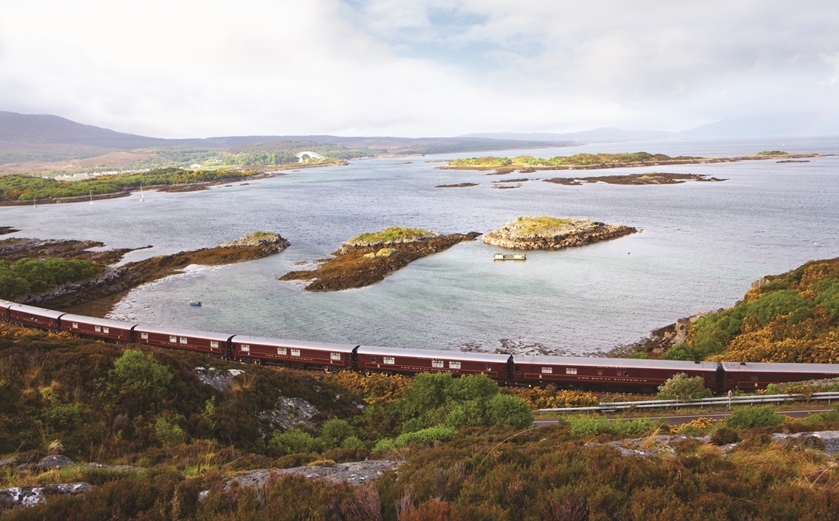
{"points": [[594, 373]]}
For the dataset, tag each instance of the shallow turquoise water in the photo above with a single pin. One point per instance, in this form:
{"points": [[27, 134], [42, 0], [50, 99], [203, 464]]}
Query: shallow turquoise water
{"points": [[701, 246]]}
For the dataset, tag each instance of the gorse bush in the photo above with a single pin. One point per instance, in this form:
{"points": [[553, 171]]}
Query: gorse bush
{"points": [[683, 387], [439, 398], [590, 426], [751, 417], [142, 372]]}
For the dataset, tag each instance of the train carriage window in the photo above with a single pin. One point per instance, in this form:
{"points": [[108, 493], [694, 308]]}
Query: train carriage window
{"points": [[547, 370], [282, 351], [437, 363], [75, 325], [570, 370], [173, 339], [454, 365], [97, 329], [213, 344], [600, 372], [245, 348], [335, 356], [106, 330], [753, 378], [372, 359], [295, 352], [489, 367], [184, 340], [144, 336], [389, 360]]}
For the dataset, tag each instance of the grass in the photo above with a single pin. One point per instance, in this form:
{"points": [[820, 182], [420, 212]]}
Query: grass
{"points": [[392, 234]]}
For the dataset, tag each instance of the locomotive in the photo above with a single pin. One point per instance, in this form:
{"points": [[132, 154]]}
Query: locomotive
{"points": [[613, 374]]}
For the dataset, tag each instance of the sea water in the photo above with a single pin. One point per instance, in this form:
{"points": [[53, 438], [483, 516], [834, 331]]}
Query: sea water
{"points": [[702, 245]]}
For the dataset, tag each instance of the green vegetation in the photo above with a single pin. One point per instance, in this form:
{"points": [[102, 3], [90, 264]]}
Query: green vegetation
{"points": [[683, 387], [28, 188], [543, 224], [38, 276], [394, 234], [575, 160], [772, 153], [791, 318], [465, 450], [751, 417]]}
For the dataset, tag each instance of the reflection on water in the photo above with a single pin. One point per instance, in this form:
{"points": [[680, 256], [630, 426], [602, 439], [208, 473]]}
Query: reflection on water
{"points": [[701, 246]]}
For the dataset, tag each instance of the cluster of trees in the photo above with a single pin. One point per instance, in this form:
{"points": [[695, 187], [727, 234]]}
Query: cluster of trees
{"points": [[37, 276], [793, 318]]}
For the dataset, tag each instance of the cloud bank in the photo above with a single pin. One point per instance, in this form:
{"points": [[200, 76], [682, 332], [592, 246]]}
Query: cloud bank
{"points": [[425, 67]]}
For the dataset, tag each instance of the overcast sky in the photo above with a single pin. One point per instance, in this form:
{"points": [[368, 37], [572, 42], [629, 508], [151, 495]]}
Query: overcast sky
{"points": [[198, 68]]}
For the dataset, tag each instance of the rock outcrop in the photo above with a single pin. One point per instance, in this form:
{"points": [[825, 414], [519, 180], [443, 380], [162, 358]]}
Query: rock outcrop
{"points": [[354, 473]]}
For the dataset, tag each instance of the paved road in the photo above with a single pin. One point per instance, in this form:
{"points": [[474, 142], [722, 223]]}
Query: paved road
{"points": [[677, 420]]}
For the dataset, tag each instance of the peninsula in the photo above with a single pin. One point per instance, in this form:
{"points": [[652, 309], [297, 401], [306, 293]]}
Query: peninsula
{"points": [[552, 233], [98, 285], [370, 257]]}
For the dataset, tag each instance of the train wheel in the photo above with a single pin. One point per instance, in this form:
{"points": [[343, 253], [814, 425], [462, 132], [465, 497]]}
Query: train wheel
{"points": [[327, 370], [367, 372]]}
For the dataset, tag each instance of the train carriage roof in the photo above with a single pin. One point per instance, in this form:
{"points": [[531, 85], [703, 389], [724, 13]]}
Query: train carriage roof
{"points": [[204, 335], [297, 344], [41, 312], [443, 355], [673, 365], [107, 322], [761, 367], [6, 304]]}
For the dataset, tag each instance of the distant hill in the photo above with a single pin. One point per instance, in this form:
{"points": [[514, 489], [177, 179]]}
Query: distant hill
{"points": [[598, 135], [36, 143], [806, 124]]}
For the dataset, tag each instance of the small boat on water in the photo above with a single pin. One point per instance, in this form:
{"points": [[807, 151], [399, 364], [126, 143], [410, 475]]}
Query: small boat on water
{"points": [[195, 303], [510, 256]]}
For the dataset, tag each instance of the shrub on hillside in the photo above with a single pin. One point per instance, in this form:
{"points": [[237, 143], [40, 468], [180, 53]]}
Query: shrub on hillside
{"points": [[683, 387], [751, 417]]}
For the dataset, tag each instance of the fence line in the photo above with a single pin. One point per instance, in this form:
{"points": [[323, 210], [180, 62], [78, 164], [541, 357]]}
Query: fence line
{"points": [[724, 400]]}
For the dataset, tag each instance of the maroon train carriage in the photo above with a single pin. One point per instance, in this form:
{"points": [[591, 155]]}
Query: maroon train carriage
{"points": [[293, 352], [412, 361], [32, 316], [198, 341], [4, 309], [754, 375], [103, 328], [646, 375]]}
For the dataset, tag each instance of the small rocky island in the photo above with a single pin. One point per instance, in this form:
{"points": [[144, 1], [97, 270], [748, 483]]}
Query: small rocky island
{"points": [[650, 178], [552, 233], [370, 257]]}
